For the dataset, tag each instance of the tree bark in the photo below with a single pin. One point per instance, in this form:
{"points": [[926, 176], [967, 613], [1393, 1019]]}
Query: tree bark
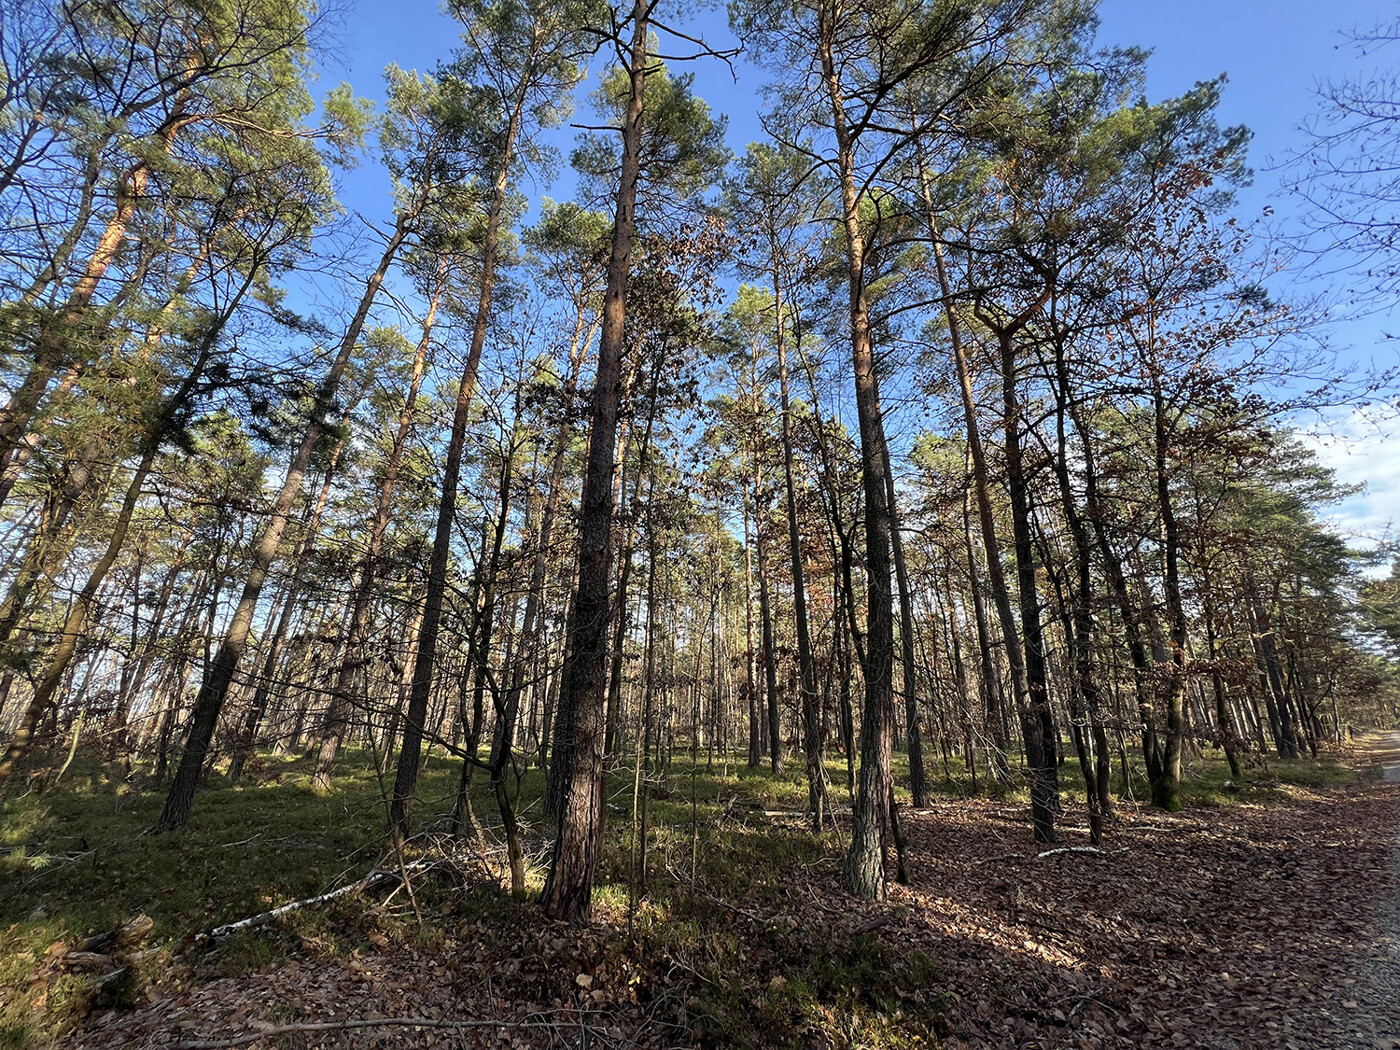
{"points": [[568, 893], [1037, 717], [1166, 785], [863, 872]]}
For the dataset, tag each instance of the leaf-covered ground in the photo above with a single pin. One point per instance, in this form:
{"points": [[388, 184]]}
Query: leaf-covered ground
{"points": [[1266, 922], [1244, 926]]}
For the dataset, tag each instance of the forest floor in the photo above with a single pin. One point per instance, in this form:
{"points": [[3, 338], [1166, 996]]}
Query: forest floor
{"points": [[1266, 915]]}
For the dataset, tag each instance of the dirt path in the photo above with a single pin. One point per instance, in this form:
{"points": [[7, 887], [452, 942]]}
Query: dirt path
{"points": [[1381, 750], [1236, 927], [1376, 1019]]}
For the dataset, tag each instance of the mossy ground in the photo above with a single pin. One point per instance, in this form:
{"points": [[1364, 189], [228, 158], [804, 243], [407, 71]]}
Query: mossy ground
{"points": [[77, 860]]}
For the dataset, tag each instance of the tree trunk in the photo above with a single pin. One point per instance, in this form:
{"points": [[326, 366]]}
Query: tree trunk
{"points": [[765, 619], [918, 783], [1042, 812], [568, 893], [993, 710], [353, 658], [530, 629], [1037, 717], [478, 664], [79, 613], [620, 612], [863, 873], [1080, 628], [55, 336], [811, 723], [406, 775], [1166, 786]]}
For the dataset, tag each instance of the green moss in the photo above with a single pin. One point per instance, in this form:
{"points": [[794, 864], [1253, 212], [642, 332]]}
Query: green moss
{"points": [[1208, 781], [791, 984], [77, 861]]}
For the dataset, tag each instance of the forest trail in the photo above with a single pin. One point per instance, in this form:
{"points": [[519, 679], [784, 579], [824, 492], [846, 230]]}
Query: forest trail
{"points": [[1236, 926], [1377, 1020], [1382, 749]]}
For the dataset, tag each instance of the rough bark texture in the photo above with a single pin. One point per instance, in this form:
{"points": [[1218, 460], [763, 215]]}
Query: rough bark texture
{"points": [[863, 872], [568, 893]]}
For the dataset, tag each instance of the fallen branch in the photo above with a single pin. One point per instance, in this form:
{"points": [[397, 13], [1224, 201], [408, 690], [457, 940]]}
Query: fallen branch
{"points": [[87, 961], [380, 1022], [1055, 852], [871, 925], [805, 814], [128, 935], [403, 872], [1080, 849], [372, 879]]}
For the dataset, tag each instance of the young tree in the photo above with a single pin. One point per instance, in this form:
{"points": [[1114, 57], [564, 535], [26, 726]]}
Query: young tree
{"points": [[769, 191]]}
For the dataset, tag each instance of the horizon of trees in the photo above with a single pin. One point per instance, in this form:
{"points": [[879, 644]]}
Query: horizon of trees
{"points": [[953, 418]]}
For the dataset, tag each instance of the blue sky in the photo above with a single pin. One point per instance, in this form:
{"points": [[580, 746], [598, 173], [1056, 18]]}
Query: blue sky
{"points": [[1275, 54]]}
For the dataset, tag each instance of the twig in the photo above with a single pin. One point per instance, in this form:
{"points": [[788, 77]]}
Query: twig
{"points": [[820, 904], [403, 871], [77, 732], [1056, 851], [241, 842], [751, 916], [379, 1022]]}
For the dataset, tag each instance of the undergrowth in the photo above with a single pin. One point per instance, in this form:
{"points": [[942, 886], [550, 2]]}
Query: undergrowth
{"points": [[716, 936]]}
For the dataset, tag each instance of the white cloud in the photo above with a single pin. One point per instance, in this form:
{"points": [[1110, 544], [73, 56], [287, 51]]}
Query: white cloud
{"points": [[1363, 446]]}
